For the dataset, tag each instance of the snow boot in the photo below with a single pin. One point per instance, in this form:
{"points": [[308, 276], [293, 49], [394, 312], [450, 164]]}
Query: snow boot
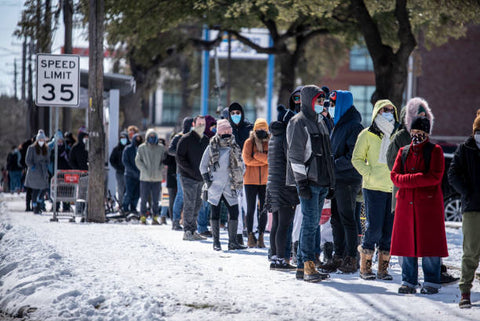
{"points": [[310, 273], [405, 289], [383, 263], [428, 290], [366, 257], [332, 265], [282, 265], [216, 235], [240, 239], [260, 242], [299, 274], [252, 242], [163, 220], [465, 302], [349, 265], [176, 226], [232, 236], [446, 278]]}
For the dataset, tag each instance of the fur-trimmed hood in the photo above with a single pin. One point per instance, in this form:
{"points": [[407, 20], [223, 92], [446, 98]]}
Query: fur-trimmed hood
{"points": [[412, 110]]}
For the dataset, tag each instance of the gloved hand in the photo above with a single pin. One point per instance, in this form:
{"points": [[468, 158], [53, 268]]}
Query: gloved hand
{"points": [[304, 190], [207, 180], [331, 193]]}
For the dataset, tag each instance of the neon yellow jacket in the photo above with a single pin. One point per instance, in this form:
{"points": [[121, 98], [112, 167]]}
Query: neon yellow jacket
{"points": [[365, 155]]}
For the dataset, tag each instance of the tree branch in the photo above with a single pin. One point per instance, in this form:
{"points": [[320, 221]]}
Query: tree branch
{"points": [[253, 45], [405, 34]]}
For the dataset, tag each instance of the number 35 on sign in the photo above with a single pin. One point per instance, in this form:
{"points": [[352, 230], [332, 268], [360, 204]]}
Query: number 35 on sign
{"points": [[58, 80]]}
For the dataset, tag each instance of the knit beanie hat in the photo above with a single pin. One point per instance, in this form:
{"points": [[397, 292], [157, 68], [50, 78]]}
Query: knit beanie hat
{"points": [[223, 127], [59, 135], [235, 106], [421, 123], [476, 125], [260, 123], [41, 135], [82, 129]]}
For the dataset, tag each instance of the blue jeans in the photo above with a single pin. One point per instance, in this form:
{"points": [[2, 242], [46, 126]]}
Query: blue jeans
{"points": [[431, 271], [378, 207], [132, 194], [15, 180], [202, 219], [311, 209], [178, 204], [150, 191]]}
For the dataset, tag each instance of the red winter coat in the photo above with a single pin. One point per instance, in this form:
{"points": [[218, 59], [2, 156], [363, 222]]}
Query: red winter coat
{"points": [[419, 224]]}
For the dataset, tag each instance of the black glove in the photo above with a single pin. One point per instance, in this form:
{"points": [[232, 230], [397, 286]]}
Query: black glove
{"points": [[304, 190], [331, 193], [207, 180]]}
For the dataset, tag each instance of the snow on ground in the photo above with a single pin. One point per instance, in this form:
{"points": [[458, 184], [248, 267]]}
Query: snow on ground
{"points": [[119, 271]]}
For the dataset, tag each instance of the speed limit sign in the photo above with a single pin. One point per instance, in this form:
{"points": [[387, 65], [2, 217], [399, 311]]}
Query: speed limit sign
{"points": [[58, 80]]}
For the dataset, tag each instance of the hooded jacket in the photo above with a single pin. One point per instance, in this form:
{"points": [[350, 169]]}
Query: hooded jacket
{"points": [[78, 156], [37, 173], [116, 155], [291, 103], [376, 176], [348, 124], [209, 122], [256, 162], [464, 174], [128, 159], [309, 151], [242, 130], [149, 159]]}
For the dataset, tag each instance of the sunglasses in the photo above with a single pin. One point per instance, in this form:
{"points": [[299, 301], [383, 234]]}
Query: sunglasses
{"points": [[296, 98]]}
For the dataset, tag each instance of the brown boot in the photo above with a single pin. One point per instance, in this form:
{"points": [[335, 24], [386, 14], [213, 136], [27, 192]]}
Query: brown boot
{"points": [[383, 263], [349, 265], [310, 273], [260, 243], [251, 240], [366, 257]]}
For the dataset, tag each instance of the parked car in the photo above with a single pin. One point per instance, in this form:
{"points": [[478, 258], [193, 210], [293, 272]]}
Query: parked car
{"points": [[451, 198]]}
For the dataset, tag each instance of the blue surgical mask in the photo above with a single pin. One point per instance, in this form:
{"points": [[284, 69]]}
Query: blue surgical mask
{"points": [[331, 111], [214, 130], [388, 116], [152, 140], [318, 108], [236, 119], [123, 141]]}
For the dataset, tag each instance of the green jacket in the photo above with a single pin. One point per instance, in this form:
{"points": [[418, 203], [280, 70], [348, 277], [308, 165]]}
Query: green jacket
{"points": [[149, 160], [365, 155]]}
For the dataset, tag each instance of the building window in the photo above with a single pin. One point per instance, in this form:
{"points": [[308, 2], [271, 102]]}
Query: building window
{"points": [[360, 59], [361, 100]]}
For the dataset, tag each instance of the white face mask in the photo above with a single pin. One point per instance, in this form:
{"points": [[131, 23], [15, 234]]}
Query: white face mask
{"points": [[331, 111], [477, 139], [41, 143], [85, 141]]}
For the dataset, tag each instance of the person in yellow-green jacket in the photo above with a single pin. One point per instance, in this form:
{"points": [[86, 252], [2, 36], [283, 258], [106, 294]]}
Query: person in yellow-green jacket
{"points": [[370, 159]]}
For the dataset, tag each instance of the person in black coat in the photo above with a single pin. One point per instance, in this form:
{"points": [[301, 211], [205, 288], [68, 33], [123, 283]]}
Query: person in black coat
{"points": [[79, 154], [348, 124], [241, 127], [132, 175], [116, 162], [281, 199]]}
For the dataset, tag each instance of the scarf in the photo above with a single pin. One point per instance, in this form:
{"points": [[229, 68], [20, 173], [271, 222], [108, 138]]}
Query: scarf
{"points": [[386, 128], [235, 168], [259, 142]]}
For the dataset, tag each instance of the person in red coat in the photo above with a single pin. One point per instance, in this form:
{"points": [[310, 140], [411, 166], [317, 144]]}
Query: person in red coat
{"points": [[419, 227]]}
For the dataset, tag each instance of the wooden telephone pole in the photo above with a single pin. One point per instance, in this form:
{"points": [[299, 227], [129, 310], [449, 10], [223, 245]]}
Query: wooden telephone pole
{"points": [[96, 141]]}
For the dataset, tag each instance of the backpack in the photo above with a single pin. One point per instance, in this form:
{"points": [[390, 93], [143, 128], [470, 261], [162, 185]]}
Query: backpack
{"points": [[427, 155]]}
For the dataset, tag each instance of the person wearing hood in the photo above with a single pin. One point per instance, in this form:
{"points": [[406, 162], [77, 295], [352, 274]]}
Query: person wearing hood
{"points": [[419, 225], [281, 199], [149, 161], [132, 175], [37, 160], [222, 171], [78, 156], [310, 169], [190, 150], [255, 156], [172, 151], [14, 168], [210, 126], [294, 102], [464, 176], [348, 125], [241, 127], [116, 162], [370, 160], [327, 114], [28, 191]]}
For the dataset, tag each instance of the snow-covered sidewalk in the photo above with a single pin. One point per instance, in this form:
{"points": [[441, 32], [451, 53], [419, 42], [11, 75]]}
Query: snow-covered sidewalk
{"points": [[119, 271]]}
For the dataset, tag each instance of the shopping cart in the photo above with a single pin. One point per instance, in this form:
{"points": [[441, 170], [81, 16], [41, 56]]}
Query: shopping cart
{"points": [[65, 186]]}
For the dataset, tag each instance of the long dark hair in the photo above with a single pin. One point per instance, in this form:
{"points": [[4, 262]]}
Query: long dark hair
{"points": [[39, 149]]}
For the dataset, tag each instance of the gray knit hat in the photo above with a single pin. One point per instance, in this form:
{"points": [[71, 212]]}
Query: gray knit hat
{"points": [[41, 135]]}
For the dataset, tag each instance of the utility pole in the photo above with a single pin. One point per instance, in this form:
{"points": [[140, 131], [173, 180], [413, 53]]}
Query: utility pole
{"points": [[24, 67], [67, 21], [96, 141], [15, 77], [33, 111]]}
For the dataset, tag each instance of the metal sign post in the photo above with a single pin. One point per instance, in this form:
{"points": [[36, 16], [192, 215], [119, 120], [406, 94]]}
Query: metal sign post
{"points": [[58, 85]]}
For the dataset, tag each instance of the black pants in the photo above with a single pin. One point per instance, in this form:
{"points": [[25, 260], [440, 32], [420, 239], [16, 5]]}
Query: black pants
{"points": [[28, 198], [281, 221], [232, 210], [344, 223], [251, 192], [172, 193]]}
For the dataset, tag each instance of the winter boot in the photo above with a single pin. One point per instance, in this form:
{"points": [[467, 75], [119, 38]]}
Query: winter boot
{"points": [[383, 263], [251, 240], [349, 265], [260, 243], [366, 257], [282, 265], [155, 220], [327, 251], [445, 277], [163, 220], [310, 273], [176, 226], [232, 236], [299, 274], [37, 208], [332, 265], [240, 239], [216, 235], [465, 302]]}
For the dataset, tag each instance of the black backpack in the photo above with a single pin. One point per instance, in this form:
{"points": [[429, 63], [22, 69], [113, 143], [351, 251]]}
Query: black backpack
{"points": [[427, 155]]}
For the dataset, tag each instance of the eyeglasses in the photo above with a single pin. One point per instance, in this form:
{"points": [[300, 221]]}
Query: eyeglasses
{"points": [[235, 112], [388, 110], [296, 98]]}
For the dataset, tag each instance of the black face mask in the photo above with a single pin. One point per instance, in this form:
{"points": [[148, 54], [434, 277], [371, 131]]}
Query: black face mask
{"points": [[225, 136], [261, 134]]}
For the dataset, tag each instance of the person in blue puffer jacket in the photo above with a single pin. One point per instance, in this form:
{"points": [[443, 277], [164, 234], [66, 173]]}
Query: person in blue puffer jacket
{"points": [[132, 175]]}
